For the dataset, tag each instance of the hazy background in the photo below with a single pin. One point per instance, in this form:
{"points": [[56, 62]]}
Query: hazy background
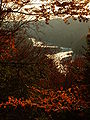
{"points": [[60, 34]]}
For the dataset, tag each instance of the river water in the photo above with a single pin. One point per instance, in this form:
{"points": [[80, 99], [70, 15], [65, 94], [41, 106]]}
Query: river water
{"points": [[60, 34]]}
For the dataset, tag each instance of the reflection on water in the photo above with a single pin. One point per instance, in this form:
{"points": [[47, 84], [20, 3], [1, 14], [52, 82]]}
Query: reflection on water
{"points": [[57, 33], [56, 53]]}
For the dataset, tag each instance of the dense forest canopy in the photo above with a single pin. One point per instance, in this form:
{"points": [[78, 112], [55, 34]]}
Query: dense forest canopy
{"points": [[45, 9]]}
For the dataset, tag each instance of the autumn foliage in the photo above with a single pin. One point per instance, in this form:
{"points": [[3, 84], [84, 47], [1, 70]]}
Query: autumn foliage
{"points": [[75, 9], [7, 47], [30, 81], [48, 101], [41, 87]]}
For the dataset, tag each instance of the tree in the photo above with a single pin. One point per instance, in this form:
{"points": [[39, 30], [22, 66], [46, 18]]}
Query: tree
{"points": [[46, 9], [16, 75], [22, 12], [26, 11]]}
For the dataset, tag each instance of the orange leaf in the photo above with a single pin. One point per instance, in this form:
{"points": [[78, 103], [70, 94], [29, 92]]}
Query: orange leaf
{"points": [[61, 88]]}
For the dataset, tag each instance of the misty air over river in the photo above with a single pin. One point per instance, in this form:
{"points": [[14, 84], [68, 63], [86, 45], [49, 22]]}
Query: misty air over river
{"points": [[60, 34]]}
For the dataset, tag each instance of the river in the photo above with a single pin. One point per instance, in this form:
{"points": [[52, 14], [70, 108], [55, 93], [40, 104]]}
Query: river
{"points": [[60, 34]]}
